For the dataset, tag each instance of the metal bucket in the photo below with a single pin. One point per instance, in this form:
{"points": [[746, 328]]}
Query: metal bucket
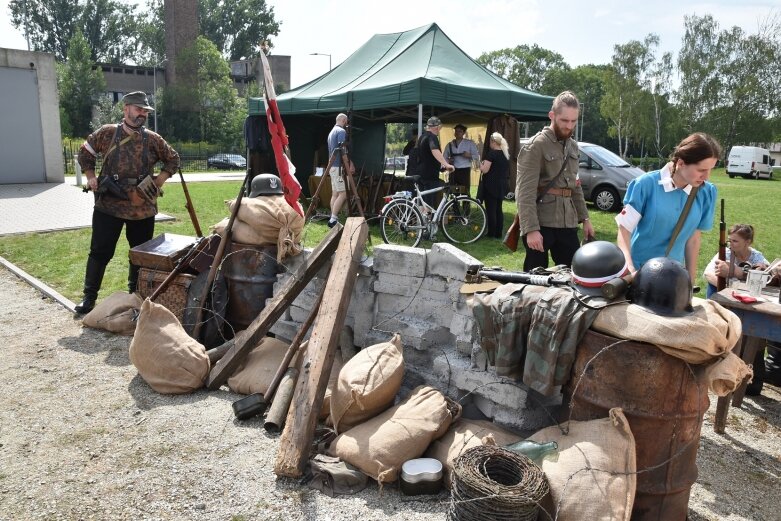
{"points": [[664, 404], [250, 273]]}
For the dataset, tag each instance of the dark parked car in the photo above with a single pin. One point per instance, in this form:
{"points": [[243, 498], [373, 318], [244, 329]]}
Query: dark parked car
{"points": [[227, 162]]}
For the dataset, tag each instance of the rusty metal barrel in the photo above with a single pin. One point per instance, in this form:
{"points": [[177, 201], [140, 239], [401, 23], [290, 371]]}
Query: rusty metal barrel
{"points": [[664, 403], [250, 273]]}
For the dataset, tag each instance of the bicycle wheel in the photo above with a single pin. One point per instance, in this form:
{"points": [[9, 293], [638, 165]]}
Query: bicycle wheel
{"points": [[463, 220], [401, 223]]}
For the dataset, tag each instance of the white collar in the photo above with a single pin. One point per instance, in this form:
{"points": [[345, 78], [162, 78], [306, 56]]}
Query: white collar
{"points": [[667, 180]]}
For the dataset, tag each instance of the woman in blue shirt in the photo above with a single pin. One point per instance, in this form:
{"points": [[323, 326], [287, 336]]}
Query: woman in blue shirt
{"points": [[654, 202]]}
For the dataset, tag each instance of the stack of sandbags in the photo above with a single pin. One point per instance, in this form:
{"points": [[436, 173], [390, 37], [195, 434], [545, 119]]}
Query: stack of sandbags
{"points": [[266, 219], [166, 357], [116, 313], [380, 446], [594, 476], [367, 384]]}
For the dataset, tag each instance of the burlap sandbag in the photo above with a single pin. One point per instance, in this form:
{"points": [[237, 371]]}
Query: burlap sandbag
{"points": [[166, 357], [380, 446], [259, 367], [578, 493], [463, 435], [367, 384], [270, 220], [116, 313], [725, 375], [710, 331], [241, 232], [325, 410]]}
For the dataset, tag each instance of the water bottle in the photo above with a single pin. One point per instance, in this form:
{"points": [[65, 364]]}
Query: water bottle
{"points": [[535, 451]]}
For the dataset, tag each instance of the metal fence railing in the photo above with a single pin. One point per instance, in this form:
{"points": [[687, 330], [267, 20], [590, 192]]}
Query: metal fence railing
{"points": [[191, 162]]}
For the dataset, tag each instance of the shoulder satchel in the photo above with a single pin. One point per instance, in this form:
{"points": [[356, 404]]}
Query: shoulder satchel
{"points": [[682, 218]]}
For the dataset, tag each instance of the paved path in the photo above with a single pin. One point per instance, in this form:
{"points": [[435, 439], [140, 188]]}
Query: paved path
{"points": [[44, 207]]}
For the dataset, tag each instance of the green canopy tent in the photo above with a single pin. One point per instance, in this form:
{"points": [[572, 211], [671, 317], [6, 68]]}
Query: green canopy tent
{"points": [[397, 77]]}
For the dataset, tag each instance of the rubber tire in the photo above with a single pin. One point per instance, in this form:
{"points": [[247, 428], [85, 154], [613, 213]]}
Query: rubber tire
{"points": [[607, 194], [450, 221], [401, 210]]}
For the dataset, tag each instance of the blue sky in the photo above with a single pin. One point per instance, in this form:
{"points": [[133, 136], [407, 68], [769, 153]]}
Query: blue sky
{"points": [[582, 31]]}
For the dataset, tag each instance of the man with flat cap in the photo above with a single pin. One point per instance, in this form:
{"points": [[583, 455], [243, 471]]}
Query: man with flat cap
{"points": [[126, 190], [460, 152]]}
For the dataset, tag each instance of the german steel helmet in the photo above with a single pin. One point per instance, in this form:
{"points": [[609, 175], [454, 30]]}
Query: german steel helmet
{"points": [[595, 263], [663, 286], [265, 184]]}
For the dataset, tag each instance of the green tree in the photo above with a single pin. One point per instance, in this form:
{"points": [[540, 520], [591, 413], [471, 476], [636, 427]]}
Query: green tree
{"points": [[588, 83], [109, 26], [730, 80], [79, 86], [151, 35], [627, 90], [206, 108], [106, 112], [530, 67], [237, 27]]}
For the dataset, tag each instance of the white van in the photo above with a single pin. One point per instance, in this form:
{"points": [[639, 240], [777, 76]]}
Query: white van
{"points": [[749, 162]]}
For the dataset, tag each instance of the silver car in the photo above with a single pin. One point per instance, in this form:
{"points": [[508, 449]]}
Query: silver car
{"points": [[604, 176]]}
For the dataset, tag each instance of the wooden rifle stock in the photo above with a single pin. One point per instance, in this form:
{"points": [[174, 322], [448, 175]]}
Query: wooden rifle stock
{"points": [[513, 234], [722, 281], [189, 206]]}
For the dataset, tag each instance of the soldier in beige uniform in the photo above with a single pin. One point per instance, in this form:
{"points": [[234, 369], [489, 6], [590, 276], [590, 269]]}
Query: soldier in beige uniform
{"points": [[548, 193], [126, 191]]}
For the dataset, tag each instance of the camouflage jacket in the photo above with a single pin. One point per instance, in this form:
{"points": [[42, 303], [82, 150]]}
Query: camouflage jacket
{"points": [[539, 162], [129, 163], [532, 332]]}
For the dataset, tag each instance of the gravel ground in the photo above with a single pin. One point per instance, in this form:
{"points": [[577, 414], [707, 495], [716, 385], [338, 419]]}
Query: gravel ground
{"points": [[83, 437]]}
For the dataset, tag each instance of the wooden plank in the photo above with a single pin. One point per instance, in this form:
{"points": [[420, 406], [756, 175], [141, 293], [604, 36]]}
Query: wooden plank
{"points": [[274, 309], [301, 421]]}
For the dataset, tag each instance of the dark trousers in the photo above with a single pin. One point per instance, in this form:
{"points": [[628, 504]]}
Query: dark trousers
{"points": [[460, 178], [105, 234], [562, 243], [494, 217]]}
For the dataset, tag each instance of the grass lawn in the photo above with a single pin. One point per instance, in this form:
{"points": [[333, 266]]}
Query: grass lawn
{"points": [[59, 258]]}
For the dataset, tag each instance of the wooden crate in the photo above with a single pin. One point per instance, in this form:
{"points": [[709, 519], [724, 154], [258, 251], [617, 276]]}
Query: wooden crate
{"points": [[162, 252], [175, 295]]}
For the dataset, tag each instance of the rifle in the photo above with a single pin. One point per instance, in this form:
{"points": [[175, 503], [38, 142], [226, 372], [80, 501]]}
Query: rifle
{"points": [[513, 234], [189, 206], [522, 278], [722, 281]]}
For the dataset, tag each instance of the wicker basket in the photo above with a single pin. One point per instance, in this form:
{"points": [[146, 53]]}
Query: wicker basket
{"points": [[175, 295]]}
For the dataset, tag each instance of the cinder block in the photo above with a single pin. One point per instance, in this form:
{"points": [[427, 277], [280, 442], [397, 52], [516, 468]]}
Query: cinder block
{"points": [[463, 327], [427, 283], [434, 311], [285, 330], [524, 420], [420, 334], [501, 391], [448, 261], [479, 358], [401, 260]]}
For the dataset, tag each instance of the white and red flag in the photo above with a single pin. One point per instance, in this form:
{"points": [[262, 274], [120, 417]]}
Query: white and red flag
{"points": [[279, 141]]}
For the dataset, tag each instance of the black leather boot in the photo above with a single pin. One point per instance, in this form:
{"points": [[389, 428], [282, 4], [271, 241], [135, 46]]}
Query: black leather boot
{"points": [[132, 278], [773, 364], [92, 281]]}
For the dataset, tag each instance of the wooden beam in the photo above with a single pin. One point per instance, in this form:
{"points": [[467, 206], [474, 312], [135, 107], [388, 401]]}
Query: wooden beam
{"points": [[274, 309], [297, 437]]}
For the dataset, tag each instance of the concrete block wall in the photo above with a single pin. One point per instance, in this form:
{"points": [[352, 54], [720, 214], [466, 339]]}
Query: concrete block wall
{"points": [[416, 292]]}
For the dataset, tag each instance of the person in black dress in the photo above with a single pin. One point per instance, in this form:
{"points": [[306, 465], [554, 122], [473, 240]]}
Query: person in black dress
{"points": [[495, 168]]}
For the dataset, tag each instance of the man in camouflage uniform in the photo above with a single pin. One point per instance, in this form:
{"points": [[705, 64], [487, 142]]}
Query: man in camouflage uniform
{"points": [[126, 191], [549, 222]]}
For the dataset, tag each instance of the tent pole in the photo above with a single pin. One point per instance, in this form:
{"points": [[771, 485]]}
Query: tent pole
{"points": [[420, 119]]}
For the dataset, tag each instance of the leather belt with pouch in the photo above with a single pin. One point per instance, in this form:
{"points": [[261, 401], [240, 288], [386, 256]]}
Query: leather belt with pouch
{"points": [[563, 192], [130, 181]]}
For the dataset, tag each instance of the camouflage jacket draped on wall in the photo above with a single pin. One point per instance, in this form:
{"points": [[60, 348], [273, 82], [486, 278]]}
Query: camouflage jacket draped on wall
{"points": [[532, 332]]}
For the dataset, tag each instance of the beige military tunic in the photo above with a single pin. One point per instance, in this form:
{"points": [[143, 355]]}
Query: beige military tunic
{"points": [[539, 161]]}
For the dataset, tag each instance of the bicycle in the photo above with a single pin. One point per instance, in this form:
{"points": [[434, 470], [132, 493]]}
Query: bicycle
{"points": [[461, 217]]}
